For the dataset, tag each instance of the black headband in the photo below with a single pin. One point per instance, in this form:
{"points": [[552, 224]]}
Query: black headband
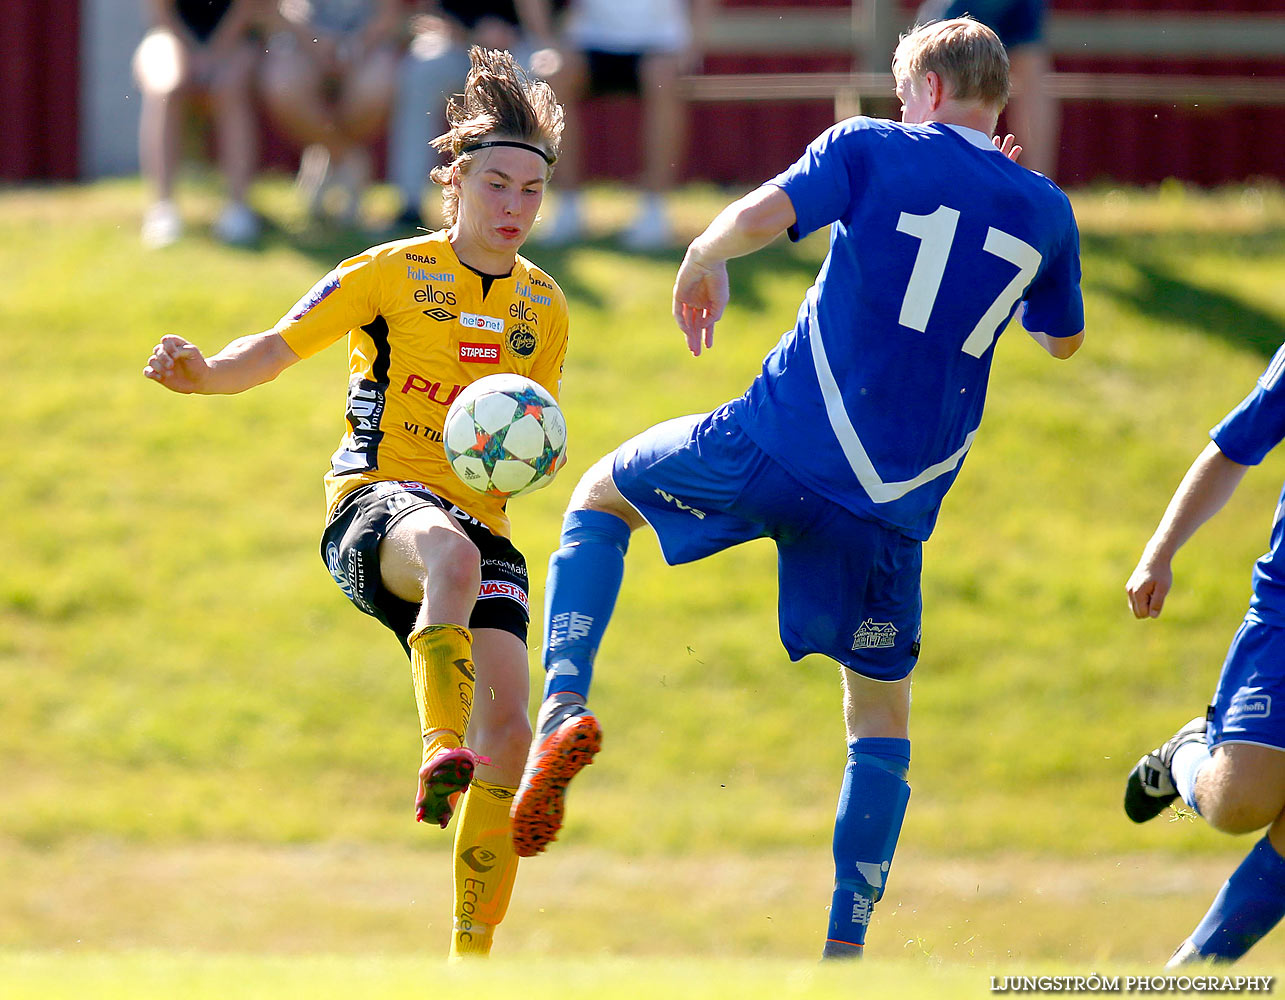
{"points": [[509, 142]]}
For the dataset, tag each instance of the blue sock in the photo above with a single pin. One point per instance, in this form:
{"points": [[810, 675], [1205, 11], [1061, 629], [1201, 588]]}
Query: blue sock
{"points": [[872, 805], [584, 579], [1249, 905]]}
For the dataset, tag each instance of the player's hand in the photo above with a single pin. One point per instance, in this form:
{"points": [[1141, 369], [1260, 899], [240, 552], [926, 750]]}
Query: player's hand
{"points": [[1148, 587], [1008, 146], [700, 295], [178, 365]]}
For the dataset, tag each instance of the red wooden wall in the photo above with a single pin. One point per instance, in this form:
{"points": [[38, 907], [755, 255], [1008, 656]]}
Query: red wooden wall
{"points": [[39, 89], [1134, 143], [733, 143], [1145, 143]]}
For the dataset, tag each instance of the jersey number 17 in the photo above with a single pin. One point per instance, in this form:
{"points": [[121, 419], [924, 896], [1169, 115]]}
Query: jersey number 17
{"points": [[936, 235]]}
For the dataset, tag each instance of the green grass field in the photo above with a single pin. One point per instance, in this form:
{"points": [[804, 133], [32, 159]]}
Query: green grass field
{"points": [[207, 755]]}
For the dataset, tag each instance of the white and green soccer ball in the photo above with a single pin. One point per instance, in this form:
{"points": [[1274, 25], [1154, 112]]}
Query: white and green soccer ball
{"points": [[505, 435]]}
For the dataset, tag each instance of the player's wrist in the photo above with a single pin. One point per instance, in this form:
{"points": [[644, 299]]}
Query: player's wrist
{"points": [[703, 255], [1159, 556]]}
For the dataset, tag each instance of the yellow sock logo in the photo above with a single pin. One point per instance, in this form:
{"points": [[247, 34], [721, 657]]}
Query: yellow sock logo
{"points": [[479, 859]]}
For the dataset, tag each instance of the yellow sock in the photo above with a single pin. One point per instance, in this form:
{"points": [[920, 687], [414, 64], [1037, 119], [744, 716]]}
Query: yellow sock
{"points": [[441, 667], [486, 867]]}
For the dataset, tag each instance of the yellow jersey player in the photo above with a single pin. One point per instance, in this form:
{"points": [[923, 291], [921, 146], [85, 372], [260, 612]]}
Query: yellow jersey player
{"points": [[407, 542]]}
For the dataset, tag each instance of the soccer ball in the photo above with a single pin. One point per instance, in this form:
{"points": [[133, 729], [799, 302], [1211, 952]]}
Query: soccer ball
{"points": [[505, 435]]}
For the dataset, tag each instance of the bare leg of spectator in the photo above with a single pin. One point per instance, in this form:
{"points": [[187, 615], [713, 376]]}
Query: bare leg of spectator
{"points": [[664, 146], [427, 76], [237, 134], [160, 69], [1032, 115], [294, 95], [569, 84], [361, 112]]}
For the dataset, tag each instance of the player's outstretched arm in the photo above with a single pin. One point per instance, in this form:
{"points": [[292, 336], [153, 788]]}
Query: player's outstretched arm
{"points": [[180, 366], [1207, 486], [700, 290]]}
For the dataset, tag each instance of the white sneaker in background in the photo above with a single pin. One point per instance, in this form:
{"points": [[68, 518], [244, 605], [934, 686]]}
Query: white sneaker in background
{"points": [[161, 225], [567, 226], [237, 225], [650, 229], [310, 182], [352, 177]]}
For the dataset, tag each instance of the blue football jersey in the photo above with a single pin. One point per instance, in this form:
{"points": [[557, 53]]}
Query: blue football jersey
{"points": [[1246, 435], [874, 397]]}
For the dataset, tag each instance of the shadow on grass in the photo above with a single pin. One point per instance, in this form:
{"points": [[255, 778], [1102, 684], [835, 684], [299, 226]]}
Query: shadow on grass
{"points": [[1163, 294], [327, 244]]}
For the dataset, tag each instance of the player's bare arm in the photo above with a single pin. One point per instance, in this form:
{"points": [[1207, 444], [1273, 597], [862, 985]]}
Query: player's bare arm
{"points": [[248, 361], [1204, 490], [1059, 347], [700, 290]]}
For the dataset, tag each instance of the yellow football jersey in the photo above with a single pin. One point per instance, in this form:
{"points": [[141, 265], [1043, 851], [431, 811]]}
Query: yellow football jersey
{"points": [[419, 330]]}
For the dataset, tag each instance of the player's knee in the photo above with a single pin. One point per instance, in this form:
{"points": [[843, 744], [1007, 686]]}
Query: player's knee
{"points": [[589, 490], [452, 562], [1237, 806], [596, 490]]}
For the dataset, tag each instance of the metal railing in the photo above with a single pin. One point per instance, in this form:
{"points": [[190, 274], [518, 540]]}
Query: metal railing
{"points": [[868, 31]]}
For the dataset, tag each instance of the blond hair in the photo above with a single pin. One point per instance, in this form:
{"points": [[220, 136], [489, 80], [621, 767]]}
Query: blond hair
{"points": [[967, 55], [499, 99]]}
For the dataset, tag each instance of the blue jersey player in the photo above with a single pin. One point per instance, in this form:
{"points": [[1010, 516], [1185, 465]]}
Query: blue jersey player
{"points": [[1228, 765], [843, 447]]}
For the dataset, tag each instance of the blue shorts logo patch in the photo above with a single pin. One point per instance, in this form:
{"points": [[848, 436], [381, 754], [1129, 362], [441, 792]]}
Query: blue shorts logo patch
{"points": [[670, 498], [1249, 706], [875, 635]]}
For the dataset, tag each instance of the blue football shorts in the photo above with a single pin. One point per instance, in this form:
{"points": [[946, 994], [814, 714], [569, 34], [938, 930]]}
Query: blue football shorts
{"points": [[1249, 705], [848, 587]]}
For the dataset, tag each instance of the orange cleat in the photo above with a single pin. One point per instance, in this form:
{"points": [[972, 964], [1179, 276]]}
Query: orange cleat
{"points": [[556, 757]]}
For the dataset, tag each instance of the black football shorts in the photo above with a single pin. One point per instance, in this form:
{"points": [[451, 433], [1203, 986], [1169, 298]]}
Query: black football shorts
{"points": [[350, 548]]}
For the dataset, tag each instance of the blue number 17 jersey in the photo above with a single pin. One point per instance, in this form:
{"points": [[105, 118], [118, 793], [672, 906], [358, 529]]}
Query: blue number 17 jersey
{"points": [[874, 397]]}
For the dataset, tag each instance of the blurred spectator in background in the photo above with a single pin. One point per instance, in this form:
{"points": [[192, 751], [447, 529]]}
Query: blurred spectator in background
{"points": [[435, 67], [328, 82], [641, 47], [1032, 115], [205, 48]]}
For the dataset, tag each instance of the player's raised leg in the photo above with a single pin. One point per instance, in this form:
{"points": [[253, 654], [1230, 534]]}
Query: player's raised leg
{"points": [[1229, 766], [1239, 788], [1155, 780], [425, 558], [584, 579]]}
